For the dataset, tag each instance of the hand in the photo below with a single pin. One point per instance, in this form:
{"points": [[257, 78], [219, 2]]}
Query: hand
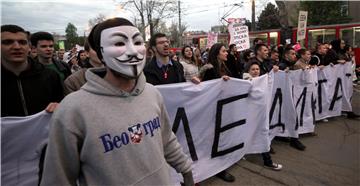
{"points": [[51, 107], [195, 80], [275, 68], [225, 77], [341, 61], [188, 179], [321, 67], [287, 70]]}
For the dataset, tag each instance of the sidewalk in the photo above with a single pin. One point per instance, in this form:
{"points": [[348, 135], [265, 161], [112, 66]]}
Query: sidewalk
{"points": [[331, 158]]}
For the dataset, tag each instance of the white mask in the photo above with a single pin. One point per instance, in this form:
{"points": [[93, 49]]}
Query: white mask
{"points": [[123, 50]]}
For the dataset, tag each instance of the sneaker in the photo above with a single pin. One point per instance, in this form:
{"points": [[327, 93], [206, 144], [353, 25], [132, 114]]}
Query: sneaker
{"points": [[274, 166], [297, 144], [226, 176], [325, 120]]}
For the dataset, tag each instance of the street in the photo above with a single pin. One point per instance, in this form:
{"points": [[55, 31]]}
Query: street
{"points": [[331, 157]]}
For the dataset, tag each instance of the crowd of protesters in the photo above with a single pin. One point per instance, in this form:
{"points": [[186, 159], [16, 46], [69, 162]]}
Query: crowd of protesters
{"points": [[36, 77]]}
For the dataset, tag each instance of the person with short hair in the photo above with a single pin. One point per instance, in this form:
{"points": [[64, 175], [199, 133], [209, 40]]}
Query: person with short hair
{"points": [[303, 62], [289, 60], [60, 54], [76, 80], [115, 130], [274, 56], [161, 69], [232, 62], [44, 44], [254, 71], [262, 58], [27, 87]]}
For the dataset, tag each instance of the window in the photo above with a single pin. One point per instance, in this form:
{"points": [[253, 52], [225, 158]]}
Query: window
{"points": [[273, 38], [351, 36], [356, 39], [263, 37], [321, 36]]}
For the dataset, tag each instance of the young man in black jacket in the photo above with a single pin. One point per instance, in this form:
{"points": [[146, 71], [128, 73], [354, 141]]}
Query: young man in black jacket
{"points": [[44, 44], [27, 87], [161, 69]]}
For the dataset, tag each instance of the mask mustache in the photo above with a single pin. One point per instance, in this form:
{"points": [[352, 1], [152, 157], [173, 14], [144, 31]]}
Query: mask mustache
{"points": [[130, 59]]}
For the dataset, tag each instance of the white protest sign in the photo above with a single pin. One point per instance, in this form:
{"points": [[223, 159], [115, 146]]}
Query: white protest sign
{"points": [[302, 21], [211, 39], [239, 35]]}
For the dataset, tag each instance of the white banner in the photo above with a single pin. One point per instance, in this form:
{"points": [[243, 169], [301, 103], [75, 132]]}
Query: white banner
{"points": [[347, 85], [217, 122], [334, 90], [304, 97], [282, 111], [22, 142], [239, 35]]}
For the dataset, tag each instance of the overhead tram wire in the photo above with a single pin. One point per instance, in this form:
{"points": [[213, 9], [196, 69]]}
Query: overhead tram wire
{"points": [[205, 10]]}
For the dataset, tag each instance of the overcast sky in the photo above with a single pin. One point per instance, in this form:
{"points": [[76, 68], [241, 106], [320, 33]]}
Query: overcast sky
{"points": [[54, 15]]}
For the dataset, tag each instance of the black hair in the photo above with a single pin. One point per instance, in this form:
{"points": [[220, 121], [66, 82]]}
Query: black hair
{"points": [[38, 36], [12, 29], [212, 57], [256, 40], [183, 53], [154, 37], [302, 51], [251, 64], [258, 47], [86, 45], [347, 47], [336, 46], [287, 50], [95, 34], [246, 55], [231, 46]]}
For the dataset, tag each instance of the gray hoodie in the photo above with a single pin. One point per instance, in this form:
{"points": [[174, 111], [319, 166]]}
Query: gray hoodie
{"points": [[101, 135]]}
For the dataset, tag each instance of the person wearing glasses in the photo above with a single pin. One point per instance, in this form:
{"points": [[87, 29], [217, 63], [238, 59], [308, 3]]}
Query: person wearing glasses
{"points": [[161, 69]]}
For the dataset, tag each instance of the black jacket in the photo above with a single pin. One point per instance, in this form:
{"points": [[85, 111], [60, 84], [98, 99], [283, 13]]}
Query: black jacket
{"points": [[62, 67], [155, 75], [233, 66], [31, 91], [286, 64]]}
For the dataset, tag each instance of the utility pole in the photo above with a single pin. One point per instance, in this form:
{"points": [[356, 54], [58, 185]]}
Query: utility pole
{"points": [[252, 15], [180, 30]]}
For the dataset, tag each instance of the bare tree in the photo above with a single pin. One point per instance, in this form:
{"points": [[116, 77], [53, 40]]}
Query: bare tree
{"points": [[151, 12], [283, 14], [175, 34], [99, 18]]}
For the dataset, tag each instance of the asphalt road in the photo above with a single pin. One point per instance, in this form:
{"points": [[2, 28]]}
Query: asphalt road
{"points": [[331, 158]]}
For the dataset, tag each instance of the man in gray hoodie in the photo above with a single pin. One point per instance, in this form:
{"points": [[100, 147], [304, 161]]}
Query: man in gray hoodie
{"points": [[115, 130]]}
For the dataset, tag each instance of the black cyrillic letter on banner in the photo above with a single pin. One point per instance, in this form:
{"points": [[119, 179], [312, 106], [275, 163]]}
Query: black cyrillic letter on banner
{"points": [[181, 116], [218, 129]]}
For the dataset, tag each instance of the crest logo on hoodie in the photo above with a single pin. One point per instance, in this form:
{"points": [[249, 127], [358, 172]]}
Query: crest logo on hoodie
{"points": [[135, 133]]}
